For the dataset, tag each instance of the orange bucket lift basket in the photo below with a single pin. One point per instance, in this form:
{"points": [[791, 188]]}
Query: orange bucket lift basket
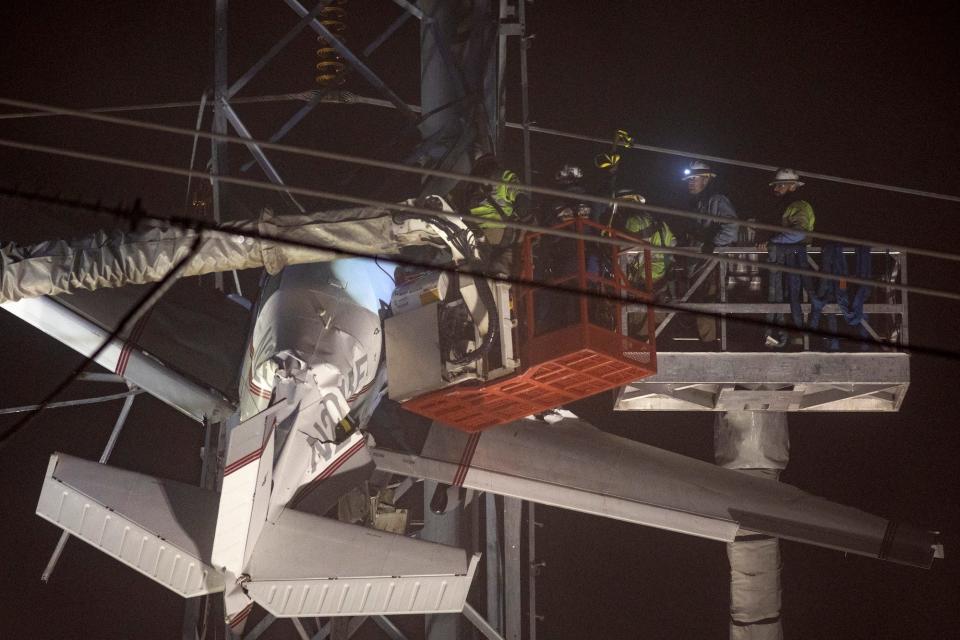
{"points": [[570, 331]]}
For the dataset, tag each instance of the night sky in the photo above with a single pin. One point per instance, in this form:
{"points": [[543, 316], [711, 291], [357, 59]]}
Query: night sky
{"points": [[846, 89]]}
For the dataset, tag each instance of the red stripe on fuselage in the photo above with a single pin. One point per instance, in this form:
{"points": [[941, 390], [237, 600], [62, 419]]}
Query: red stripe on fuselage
{"points": [[256, 389], [242, 462], [240, 617], [253, 455], [361, 391], [329, 471]]}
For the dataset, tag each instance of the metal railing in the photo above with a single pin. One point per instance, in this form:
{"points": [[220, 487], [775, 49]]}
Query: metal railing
{"points": [[732, 290]]}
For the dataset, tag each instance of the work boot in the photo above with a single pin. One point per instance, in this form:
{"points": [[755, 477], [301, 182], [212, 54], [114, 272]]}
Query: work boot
{"points": [[779, 342]]}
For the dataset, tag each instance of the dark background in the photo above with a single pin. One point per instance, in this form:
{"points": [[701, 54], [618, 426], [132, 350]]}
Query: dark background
{"points": [[849, 89]]}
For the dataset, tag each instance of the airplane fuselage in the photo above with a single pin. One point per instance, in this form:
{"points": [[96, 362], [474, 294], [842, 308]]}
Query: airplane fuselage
{"points": [[316, 339]]}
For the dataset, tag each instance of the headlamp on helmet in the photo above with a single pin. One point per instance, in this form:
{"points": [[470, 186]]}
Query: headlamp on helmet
{"points": [[698, 168]]}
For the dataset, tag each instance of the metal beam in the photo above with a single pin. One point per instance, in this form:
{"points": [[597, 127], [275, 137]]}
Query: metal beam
{"points": [[387, 33], [258, 153], [91, 376], [534, 568], [524, 93], [300, 630], [771, 382], [293, 121], [262, 626], [410, 8], [904, 318], [506, 11], [780, 368], [320, 96], [72, 403], [494, 567], [482, 625], [193, 149], [512, 579], [686, 296], [389, 628], [446, 528], [353, 625], [104, 456], [355, 62], [242, 81], [752, 308], [829, 396], [218, 148]]}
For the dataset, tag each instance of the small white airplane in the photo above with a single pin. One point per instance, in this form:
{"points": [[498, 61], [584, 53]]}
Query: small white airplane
{"points": [[314, 369]]}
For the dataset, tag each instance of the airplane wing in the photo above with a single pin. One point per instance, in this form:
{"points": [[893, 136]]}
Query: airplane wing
{"points": [[306, 565], [192, 329], [161, 528], [574, 465]]}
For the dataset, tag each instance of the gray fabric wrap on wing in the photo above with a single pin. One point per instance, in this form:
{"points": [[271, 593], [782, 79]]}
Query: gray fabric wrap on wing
{"points": [[117, 258]]}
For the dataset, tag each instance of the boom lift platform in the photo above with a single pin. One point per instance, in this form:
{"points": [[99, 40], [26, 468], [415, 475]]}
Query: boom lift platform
{"points": [[474, 360]]}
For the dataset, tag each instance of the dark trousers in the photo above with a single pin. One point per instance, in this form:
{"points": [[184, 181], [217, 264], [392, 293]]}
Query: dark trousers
{"points": [[794, 256], [834, 262]]}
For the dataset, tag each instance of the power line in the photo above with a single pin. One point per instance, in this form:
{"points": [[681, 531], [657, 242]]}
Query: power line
{"points": [[698, 156], [394, 166], [347, 97], [368, 202], [741, 163], [138, 216], [302, 96]]}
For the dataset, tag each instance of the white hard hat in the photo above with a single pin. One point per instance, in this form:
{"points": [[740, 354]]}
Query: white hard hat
{"points": [[569, 173], [630, 193], [698, 168], [786, 176]]}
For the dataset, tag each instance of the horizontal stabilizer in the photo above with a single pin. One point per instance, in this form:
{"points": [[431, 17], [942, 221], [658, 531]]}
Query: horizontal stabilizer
{"points": [[161, 528], [306, 565], [573, 465]]}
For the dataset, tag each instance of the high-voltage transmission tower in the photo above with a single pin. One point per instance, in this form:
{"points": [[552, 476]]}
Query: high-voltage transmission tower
{"points": [[462, 71], [462, 74]]}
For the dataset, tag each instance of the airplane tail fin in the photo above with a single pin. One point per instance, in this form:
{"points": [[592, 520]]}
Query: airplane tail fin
{"points": [[348, 570], [245, 490], [161, 528]]}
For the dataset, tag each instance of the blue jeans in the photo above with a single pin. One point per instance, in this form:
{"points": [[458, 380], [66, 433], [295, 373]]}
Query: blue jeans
{"points": [[834, 262], [795, 256]]}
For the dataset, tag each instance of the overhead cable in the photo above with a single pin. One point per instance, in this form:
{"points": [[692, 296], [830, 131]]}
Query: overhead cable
{"points": [[695, 156], [394, 166], [562, 233], [301, 96], [741, 163], [138, 215], [346, 97]]}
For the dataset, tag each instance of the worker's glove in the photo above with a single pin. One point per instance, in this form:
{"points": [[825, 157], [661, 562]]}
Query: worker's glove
{"points": [[607, 161], [707, 247]]}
